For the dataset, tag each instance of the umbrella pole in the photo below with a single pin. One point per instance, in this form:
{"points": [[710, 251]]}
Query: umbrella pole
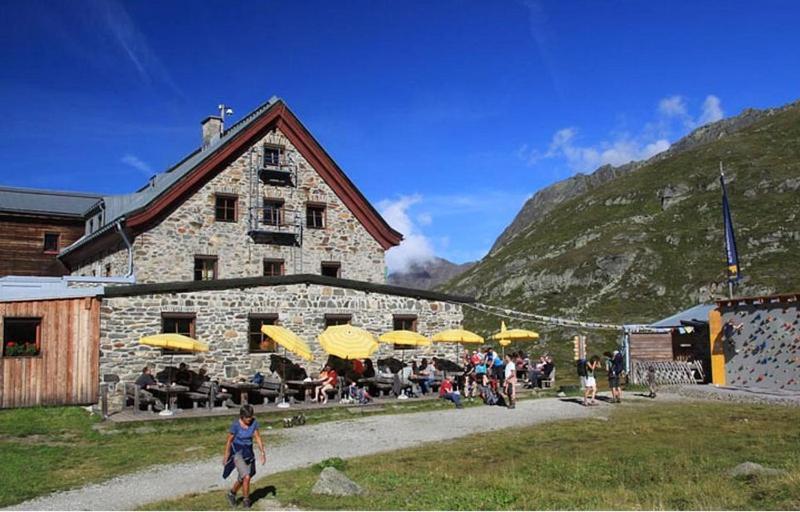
{"points": [[284, 404]]}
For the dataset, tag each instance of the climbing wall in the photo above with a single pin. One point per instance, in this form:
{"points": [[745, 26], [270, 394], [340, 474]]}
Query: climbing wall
{"points": [[768, 345]]}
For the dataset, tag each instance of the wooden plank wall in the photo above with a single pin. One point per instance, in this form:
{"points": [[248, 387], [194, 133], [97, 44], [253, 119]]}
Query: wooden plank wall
{"points": [[67, 369], [651, 347], [22, 245]]}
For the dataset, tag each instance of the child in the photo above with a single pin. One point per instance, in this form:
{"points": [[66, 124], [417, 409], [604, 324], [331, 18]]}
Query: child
{"points": [[239, 454], [651, 381]]}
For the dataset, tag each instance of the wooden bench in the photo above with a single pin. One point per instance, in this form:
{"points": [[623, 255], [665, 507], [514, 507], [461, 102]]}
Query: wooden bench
{"points": [[136, 397]]}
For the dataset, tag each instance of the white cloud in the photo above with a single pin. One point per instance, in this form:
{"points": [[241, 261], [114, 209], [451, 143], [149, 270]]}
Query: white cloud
{"points": [[712, 110], [673, 106], [625, 147], [138, 164], [415, 247], [616, 152]]}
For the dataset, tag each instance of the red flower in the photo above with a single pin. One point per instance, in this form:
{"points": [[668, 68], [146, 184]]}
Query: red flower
{"points": [[11, 344]]}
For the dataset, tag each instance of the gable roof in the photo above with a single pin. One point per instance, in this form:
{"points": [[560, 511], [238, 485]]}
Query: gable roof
{"points": [[46, 202], [147, 205], [695, 315]]}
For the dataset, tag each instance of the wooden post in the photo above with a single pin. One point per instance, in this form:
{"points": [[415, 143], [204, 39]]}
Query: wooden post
{"points": [[104, 400], [135, 399], [212, 396]]}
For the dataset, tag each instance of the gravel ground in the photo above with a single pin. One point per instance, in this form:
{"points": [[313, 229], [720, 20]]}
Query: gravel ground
{"points": [[303, 446], [740, 395]]}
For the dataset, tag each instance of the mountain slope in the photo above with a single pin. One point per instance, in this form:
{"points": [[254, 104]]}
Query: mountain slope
{"points": [[549, 197], [648, 242], [428, 274]]}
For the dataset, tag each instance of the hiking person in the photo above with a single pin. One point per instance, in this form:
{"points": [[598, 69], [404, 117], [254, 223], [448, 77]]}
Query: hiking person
{"points": [[510, 382], [239, 454], [591, 383], [617, 369]]}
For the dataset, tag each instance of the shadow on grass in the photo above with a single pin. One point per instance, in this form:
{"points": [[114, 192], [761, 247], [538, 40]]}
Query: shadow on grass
{"points": [[263, 492]]}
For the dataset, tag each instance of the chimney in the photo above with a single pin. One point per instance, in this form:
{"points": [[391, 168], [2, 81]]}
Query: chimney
{"points": [[212, 129]]}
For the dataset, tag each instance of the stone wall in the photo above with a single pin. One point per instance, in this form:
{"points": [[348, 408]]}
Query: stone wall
{"points": [[166, 252], [222, 322]]}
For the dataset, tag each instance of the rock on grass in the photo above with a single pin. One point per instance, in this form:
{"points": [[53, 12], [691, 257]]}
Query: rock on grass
{"points": [[333, 482]]}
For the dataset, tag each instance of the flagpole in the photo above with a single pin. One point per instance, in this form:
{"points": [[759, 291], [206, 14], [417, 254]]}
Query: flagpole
{"points": [[727, 242]]}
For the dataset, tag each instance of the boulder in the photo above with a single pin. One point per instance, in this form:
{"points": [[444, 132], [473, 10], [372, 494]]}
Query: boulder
{"points": [[747, 469], [333, 482]]}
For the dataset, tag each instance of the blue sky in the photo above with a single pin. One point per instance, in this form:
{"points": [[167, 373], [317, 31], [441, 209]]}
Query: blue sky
{"points": [[446, 114]]}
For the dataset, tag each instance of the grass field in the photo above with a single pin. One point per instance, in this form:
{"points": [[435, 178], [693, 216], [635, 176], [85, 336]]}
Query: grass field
{"points": [[659, 456], [56, 448]]}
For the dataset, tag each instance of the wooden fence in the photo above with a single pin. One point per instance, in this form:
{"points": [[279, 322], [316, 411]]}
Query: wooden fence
{"points": [[65, 371], [668, 372]]}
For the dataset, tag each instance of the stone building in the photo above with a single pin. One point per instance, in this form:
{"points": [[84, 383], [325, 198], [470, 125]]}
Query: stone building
{"points": [[257, 226], [260, 198]]}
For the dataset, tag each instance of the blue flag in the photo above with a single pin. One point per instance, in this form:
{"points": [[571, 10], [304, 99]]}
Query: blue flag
{"points": [[731, 254]]}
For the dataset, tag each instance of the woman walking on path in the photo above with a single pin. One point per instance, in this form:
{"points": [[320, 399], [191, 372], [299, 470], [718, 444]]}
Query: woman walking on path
{"points": [[239, 454], [591, 382]]}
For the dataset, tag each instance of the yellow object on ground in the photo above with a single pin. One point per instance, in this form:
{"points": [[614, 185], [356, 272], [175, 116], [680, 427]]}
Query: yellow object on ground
{"points": [[288, 340], [457, 336], [347, 342], [174, 341], [404, 338]]}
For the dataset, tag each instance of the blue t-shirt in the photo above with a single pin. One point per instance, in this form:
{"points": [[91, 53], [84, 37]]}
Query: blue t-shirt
{"points": [[243, 436]]}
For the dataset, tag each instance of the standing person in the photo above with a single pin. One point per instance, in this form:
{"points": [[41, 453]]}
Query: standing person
{"points": [[617, 369], [510, 382], [608, 362], [591, 383], [239, 454], [651, 381]]}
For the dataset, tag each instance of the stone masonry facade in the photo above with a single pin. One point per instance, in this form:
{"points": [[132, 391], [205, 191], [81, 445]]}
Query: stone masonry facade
{"points": [[166, 252], [222, 321]]}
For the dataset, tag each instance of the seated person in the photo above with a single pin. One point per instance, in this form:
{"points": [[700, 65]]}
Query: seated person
{"points": [[446, 393], [298, 372], [199, 378], [358, 367], [427, 375], [329, 380], [547, 368], [369, 369], [358, 394], [536, 373], [183, 376], [146, 381]]}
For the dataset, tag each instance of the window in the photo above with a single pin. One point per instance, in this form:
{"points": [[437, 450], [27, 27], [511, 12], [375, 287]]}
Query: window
{"points": [[179, 323], [272, 156], [273, 267], [273, 212], [331, 269], [404, 323], [205, 268], [337, 320], [225, 208], [258, 341], [315, 216], [51, 242], [22, 337]]}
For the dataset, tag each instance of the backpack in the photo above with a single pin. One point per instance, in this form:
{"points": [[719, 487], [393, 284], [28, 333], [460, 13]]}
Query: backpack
{"points": [[258, 378], [581, 367], [617, 365]]}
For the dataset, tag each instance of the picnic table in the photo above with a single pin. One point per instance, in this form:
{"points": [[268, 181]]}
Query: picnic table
{"points": [[306, 385], [240, 390], [170, 392]]}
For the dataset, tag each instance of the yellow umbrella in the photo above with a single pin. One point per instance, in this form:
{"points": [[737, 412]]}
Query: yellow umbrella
{"points": [[457, 336], [506, 336], [173, 341], [404, 338], [347, 342], [288, 340]]}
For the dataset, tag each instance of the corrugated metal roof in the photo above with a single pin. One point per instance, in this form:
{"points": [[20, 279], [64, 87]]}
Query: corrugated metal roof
{"points": [[49, 202], [696, 314], [19, 288]]}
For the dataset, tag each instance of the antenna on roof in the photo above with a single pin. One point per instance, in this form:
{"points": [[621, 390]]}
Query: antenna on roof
{"points": [[224, 110]]}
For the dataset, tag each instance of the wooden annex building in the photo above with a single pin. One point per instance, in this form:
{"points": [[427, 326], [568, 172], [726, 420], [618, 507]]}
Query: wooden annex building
{"points": [[51, 350]]}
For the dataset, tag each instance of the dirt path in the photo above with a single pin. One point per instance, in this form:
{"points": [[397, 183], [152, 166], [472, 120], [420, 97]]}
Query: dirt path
{"points": [[303, 446]]}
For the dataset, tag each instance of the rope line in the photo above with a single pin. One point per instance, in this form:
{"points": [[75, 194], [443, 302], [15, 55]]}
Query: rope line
{"points": [[512, 314]]}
